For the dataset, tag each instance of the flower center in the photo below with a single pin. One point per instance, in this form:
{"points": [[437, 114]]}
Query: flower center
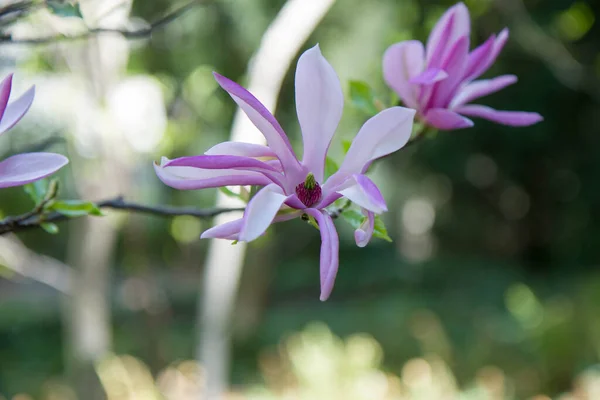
{"points": [[309, 191]]}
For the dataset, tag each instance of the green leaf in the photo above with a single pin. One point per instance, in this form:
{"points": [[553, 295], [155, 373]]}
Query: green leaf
{"points": [[75, 208], [230, 193], [346, 143], [64, 8], [362, 97], [49, 227], [380, 230], [331, 167], [356, 219], [36, 190]]}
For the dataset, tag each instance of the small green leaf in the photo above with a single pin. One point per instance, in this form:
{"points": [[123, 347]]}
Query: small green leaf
{"points": [[346, 143], [49, 227], [234, 242], [356, 219], [75, 208], [64, 8], [362, 97], [36, 190], [331, 167], [380, 231], [230, 193]]}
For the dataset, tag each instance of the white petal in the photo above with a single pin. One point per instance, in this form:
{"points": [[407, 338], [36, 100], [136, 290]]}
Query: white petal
{"points": [[319, 104], [261, 211]]}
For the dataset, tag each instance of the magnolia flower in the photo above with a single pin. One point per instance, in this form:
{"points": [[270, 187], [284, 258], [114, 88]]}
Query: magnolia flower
{"points": [[23, 168], [439, 81], [292, 188]]}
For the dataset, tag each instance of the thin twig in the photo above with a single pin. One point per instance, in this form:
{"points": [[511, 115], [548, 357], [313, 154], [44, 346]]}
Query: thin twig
{"points": [[128, 34], [36, 217]]}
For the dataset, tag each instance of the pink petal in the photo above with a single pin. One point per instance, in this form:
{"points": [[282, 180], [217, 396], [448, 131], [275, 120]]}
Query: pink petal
{"points": [[229, 163], [329, 251], [319, 104], [455, 23], [487, 55], [382, 134], [240, 149], [477, 89], [187, 177], [445, 119], [264, 121], [25, 168], [219, 162], [478, 59], [429, 77], [231, 230], [364, 233], [5, 88], [401, 62], [362, 191], [454, 65], [511, 118], [261, 211], [16, 109]]}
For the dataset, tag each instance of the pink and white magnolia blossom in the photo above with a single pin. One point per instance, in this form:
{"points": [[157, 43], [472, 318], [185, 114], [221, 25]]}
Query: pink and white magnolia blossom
{"points": [[439, 81], [292, 187], [23, 168]]}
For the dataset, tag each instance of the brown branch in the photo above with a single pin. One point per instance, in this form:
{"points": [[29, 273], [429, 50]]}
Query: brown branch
{"points": [[36, 217], [128, 34]]}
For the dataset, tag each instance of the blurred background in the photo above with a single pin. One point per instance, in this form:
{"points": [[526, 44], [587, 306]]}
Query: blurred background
{"points": [[490, 289]]}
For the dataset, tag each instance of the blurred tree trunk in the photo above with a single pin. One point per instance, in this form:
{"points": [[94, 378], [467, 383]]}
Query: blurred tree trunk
{"points": [[279, 45], [88, 322]]}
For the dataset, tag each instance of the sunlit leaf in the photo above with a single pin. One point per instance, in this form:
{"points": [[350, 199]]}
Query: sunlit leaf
{"points": [[346, 143], [49, 227], [75, 208]]}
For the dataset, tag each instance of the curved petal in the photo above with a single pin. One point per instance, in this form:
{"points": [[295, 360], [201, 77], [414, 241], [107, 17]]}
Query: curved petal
{"points": [[429, 76], [402, 62], [25, 168], [240, 149], [454, 65], [319, 104], [511, 118], [477, 89], [5, 88], [260, 212], [499, 42], [188, 178], [263, 120], [231, 230], [362, 191], [330, 245], [16, 109], [382, 134], [477, 62], [221, 162], [364, 233], [447, 120], [455, 23]]}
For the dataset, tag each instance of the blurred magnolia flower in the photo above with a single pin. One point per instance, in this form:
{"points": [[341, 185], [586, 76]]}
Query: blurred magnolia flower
{"points": [[439, 80], [293, 187], [23, 168]]}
